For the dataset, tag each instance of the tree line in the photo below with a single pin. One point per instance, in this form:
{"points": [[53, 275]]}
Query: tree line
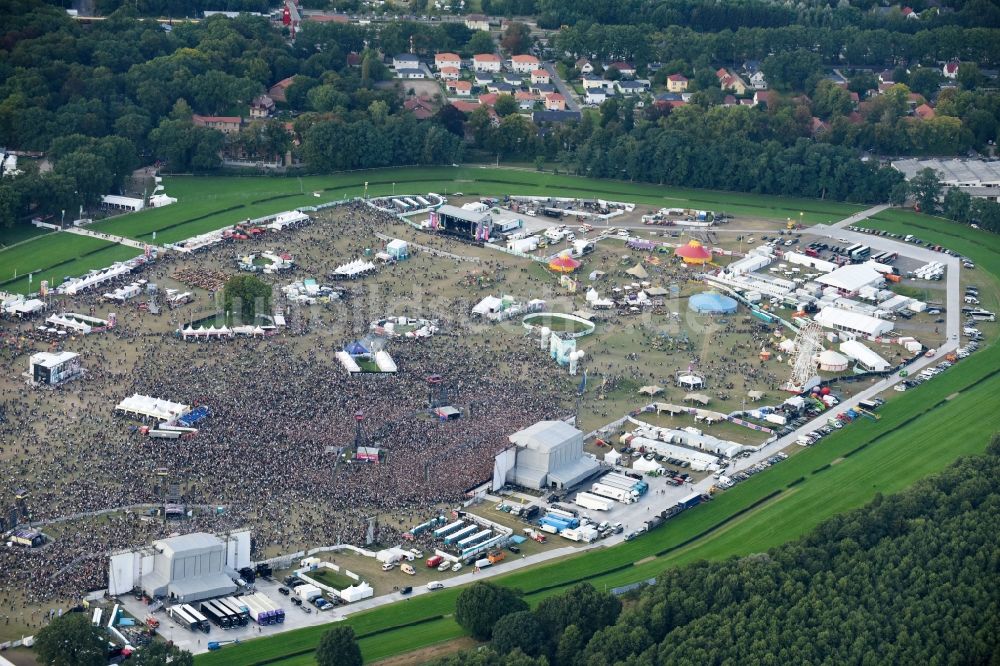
{"points": [[909, 578]]}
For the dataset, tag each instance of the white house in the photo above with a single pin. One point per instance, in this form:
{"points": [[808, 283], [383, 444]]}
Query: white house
{"points": [[405, 61], [524, 64], [477, 22], [596, 96], [442, 60], [449, 73], [757, 81], [539, 76], [486, 62], [950, 69], [411, 74]]}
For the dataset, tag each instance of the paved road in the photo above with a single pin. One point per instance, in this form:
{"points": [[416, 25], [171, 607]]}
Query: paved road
{"points": [[858, 217], [121, 240], [561, 86]]}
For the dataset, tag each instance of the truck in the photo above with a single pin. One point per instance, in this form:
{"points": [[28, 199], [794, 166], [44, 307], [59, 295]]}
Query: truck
{"points": [[594, 502], [202, 621], [181, 617], [617, 494], [529, 244], [433, 561], [586, 534], [277, 612], [216, 614], [623, 481], [262, 615], [690, 501], [230, 603]]}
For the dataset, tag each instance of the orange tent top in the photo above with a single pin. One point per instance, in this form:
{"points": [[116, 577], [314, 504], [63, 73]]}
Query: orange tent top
{"points": [[564, 264], [694, 253]]}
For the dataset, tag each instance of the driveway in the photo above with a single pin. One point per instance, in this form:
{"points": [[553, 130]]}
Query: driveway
{"points": [[562, 87]]}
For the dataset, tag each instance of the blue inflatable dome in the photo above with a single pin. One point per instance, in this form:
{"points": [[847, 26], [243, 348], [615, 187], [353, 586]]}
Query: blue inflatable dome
{"points": [[711, 302]]}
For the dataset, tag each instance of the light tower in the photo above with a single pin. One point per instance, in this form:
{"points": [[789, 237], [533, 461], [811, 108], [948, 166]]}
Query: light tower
{"points": [[808, 343]]}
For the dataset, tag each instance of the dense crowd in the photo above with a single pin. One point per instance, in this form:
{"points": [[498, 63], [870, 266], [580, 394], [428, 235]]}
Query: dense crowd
{"points": [[281, 411]]}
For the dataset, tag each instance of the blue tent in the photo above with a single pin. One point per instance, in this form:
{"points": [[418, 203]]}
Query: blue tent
{"points": [[356, 349]]}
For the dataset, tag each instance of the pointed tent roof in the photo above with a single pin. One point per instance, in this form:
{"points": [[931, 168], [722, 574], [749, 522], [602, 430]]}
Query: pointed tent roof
{"points": [[638, 271], [564, 264], [694, 252], [356, 349]]}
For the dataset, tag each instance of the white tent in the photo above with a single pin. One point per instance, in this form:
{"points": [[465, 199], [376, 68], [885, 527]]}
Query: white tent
{"points": [[144, 405], [612, 457], [832, 361], [361, 590], [487, 306], [354, 269], [384, 362], [643, 465], [349, 363]]}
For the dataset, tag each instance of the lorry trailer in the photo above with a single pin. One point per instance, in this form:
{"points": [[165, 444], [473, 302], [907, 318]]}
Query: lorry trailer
{"points": [[181, 617], [617, 494], [238, 610], [202, 621], [594, 502]]}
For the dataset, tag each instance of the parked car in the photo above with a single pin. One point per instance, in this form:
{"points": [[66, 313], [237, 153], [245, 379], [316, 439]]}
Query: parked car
{"points": [[406, 590], [283, 590], [435, 585]]}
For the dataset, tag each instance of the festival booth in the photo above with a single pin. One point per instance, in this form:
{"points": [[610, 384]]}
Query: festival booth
{"points": [[690, 382], [694, 253], [287, 219], [398, 249], [73, 287], [353, 270], [79, 323], [24, 308], [147, 406], [638, 272], [202, 333], [564, 264]]}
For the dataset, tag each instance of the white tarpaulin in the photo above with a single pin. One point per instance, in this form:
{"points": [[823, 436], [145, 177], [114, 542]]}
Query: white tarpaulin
{"points": [[144, 405], [384, 362]]}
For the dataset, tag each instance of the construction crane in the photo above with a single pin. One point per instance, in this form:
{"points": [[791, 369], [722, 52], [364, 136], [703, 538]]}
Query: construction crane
{"points": [[808, 343]]}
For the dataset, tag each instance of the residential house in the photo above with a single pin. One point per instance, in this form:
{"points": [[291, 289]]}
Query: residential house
{"points": [[626, 69], [590, 82], [421, 107], [405, 61], [924, 112], [513, 79], [765, 97], [277, 91], [354, 59], [450, 73], [819, 126], [460, 88], [555, 102], [596, 96], [730, 81], [542, 88], [909, 13], [477, 22], [489, 99], [226, 124], [484, 78], [757, 81], [677, 83], [950, 69], [629, 88], [525, 64], [730, 100], [262, 106], [404, 73], [525, 100], [486, 62], [539, 76], [465, 106], [500, 88], [886, 77], [584, 66], [442, 60], [554, 116]]}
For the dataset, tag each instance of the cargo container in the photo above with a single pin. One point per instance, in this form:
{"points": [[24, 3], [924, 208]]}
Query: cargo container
{"points": [[617, 494], [691, 500], [594, 502], [466, 531]]}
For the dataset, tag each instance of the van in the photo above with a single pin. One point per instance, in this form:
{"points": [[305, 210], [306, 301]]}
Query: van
{"points": [[407, 569], [433, 561]]}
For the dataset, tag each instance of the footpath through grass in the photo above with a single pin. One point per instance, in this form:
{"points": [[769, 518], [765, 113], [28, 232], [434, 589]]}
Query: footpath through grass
{"points": [[921, 431]]}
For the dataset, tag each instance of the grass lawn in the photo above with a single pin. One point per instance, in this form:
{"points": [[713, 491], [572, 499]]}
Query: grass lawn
{"points": [[52, 257], [337, 581], [557, 324], [19, 233]]}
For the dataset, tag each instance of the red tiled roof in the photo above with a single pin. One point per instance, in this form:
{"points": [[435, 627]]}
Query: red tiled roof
{"points": [[465, 107], [438, 57], [486, 57], [677, 77], [523, 58]]}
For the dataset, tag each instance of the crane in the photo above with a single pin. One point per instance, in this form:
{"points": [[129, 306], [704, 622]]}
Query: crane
{"points": [[217, 645]]}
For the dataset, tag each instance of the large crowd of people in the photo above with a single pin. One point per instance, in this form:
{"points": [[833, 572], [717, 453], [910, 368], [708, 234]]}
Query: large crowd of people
{"points": [[275, 452]]}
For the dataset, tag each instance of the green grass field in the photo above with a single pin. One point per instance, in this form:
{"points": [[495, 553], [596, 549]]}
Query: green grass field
{"points": [[55, 256], [17, 234], [920, 432], [330, 577]]}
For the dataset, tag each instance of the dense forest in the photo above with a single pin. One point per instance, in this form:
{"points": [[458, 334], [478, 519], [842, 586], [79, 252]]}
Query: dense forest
{"points": [[909, 579]]}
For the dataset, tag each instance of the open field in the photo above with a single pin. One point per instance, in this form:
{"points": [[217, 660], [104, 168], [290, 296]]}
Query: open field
{"points": [[330, 577], [55, 256], [921, 431], [20, 233]]}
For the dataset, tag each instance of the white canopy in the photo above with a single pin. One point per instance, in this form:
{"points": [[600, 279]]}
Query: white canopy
{"points": [[145, 405]]}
